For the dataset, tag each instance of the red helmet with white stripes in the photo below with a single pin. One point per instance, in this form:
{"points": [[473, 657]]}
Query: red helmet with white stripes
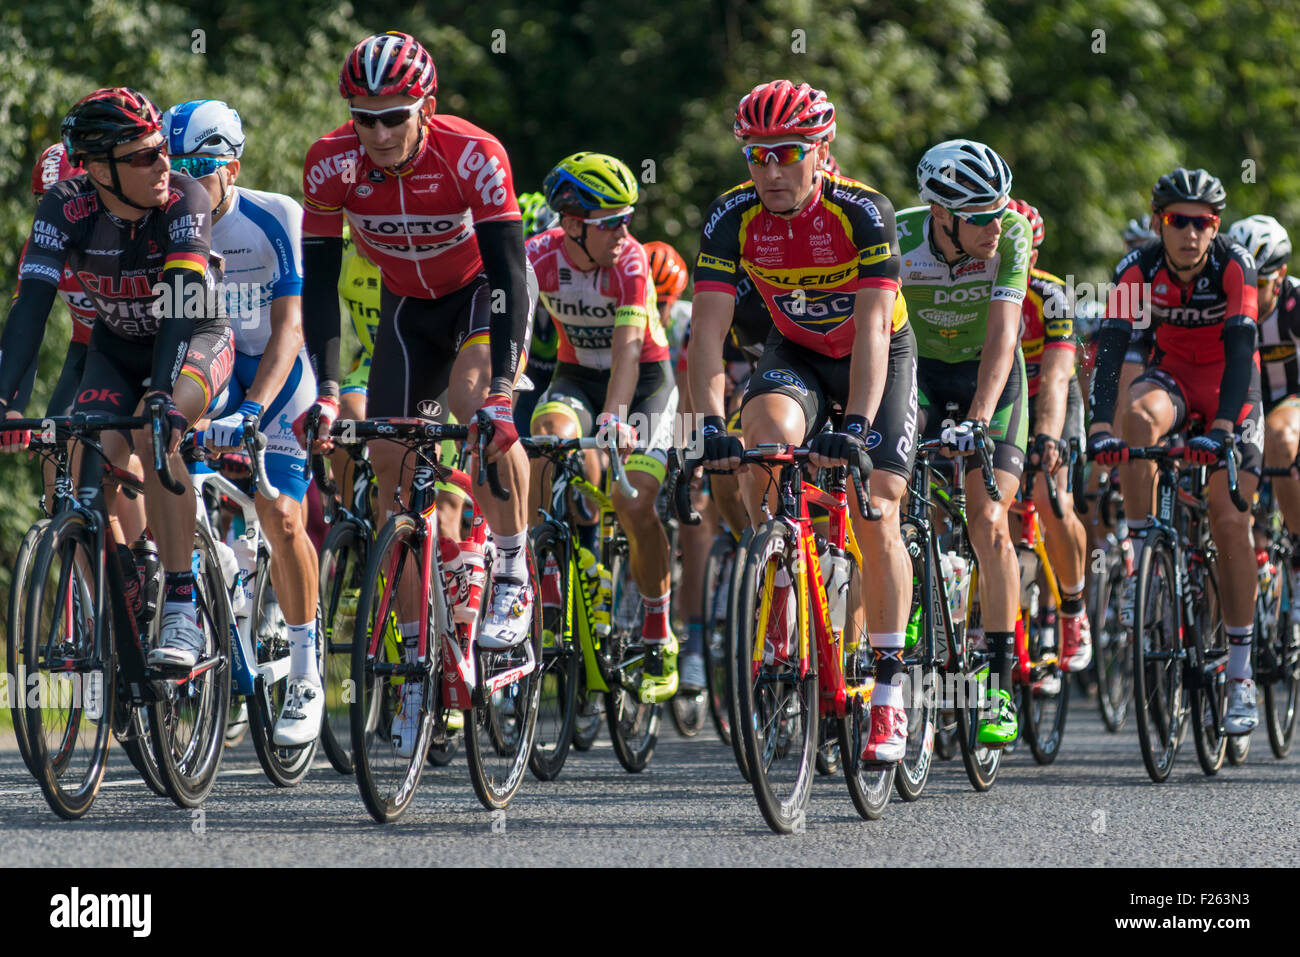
{"points": [[779, 108], [51, 166], [388, 63]]}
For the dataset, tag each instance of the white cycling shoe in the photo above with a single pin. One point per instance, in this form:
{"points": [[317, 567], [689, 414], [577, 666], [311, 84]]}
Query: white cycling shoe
{"points": [[1243, 713], [509, 618], [300, 716]]}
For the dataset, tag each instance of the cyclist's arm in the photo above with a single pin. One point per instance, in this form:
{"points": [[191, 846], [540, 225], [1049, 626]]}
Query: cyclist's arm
{"points": [[624, 369], [501, 244], [873, 313], [1239, 334], [24, 330], [185, 277], [710, 319], [1053, 387], [322, 261], [1002, 339], [281, 351]]}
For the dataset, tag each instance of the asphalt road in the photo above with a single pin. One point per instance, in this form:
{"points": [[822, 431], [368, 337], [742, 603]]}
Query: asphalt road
{"points": [[1094, 807]]}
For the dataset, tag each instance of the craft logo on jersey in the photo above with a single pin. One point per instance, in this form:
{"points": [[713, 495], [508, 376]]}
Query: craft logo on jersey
{"points": [[491, 177]]}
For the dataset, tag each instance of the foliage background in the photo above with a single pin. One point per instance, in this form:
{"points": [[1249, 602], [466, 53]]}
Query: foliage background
{"points": [[1088, 100]]}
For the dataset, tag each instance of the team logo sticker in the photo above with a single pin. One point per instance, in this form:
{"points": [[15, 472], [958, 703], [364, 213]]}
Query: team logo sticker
{"points": [[874, 438], [429, 409], [364, 190], [785, 377], [376, 175]]}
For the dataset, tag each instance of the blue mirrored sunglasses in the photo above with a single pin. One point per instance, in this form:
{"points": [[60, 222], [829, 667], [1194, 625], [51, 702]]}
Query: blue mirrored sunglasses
{"points": [[199, 166]]}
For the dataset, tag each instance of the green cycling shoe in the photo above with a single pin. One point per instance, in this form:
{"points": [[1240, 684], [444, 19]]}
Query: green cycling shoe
{"points": [[1001, 729], [659, 676]]}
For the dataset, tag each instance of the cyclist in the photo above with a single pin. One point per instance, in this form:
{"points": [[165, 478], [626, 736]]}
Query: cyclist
{"points": [[822, 254], [1203, 306], [613, 372], [965, 272], [537, 218], [1056, 411], [259, 236], [429, 200], [1279, 333], [137, 238]]}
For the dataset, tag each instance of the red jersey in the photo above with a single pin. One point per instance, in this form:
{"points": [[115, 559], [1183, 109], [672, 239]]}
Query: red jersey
{"points": [[417, 223]]}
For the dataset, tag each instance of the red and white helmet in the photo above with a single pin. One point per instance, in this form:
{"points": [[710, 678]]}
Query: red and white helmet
{"points": [[51, 166], [1035, 218], [779, 108], [388, 63]]}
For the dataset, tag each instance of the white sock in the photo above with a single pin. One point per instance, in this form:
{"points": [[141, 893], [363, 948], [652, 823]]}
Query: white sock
{"points": [[511, 560], [302, 652], [1239, 641]]}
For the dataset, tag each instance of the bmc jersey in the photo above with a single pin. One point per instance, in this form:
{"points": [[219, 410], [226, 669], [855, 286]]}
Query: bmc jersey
{"points": [[949, 304], [588, 306], [117, 263], [417, 223], [1279, 334], [806, 269], [260, 237], [1045, 323], [1188, 320]]}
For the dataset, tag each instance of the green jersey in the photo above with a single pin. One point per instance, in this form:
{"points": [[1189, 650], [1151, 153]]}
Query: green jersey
{"points": [[949, 305]]}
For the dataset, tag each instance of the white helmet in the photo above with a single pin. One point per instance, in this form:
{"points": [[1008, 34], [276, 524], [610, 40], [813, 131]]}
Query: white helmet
{"points": [[205, 128], [1265, 239], [1139, 230], [960, 173]]}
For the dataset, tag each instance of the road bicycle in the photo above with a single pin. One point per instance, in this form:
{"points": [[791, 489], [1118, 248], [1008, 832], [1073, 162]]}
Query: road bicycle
{"points": [[1276, 648]]}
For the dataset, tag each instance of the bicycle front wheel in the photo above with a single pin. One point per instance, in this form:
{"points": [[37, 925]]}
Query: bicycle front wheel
{"points": [[18, 589], [921, 684], [1158, 658], [777, 704], [717, 588], [1280, 671], [633, 723], [69, 680], [557, 709], [1209, 684], [342, 573], [1112, 642]]}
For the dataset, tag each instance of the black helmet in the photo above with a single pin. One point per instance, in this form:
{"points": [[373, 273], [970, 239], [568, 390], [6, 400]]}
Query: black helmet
{"points": [[106, 118], [1188, 186]]}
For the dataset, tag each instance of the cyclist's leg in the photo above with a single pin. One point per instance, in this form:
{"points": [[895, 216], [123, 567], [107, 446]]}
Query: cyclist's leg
{"points": [[1281, 447], [566, 410], [783, 403], [352, 405], [1158, 406]]}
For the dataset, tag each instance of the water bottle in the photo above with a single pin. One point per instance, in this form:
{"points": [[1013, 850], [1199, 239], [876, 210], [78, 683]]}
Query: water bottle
{"points": [[956, 581], [474, 576], [229, 570], [149, 569], [598, 586], [835, 575], [913, 632], [245, 552], [453, 568]]}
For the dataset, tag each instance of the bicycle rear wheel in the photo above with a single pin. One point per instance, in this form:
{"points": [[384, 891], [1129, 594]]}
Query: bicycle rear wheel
{"points": [[1209, 684], [633, 723], [777, 705], [921, 683], [389, 743], [342, 573], [1158, 657], [981, 762], [188, 723], [717, 588], [1045, 697], [18, 589], [557, 708], [70, 682], [1279, 670], [1112, 642]]}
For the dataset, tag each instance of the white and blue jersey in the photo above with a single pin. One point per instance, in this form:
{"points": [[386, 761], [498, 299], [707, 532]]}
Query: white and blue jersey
{"points": [[260, 237]]}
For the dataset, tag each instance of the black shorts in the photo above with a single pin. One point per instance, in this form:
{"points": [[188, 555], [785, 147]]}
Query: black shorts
{"points": [[941, 384], [1178, 380], [820, 385], [579, 393], [1073, 428], [65, 390], [117, 370], [418, 341]]}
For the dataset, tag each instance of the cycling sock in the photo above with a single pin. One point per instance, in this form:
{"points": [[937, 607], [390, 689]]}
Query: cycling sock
{"points": [[1002, 657], [694, 637], [302, 652], [1239, 641], [511, 561], [178, 588], [1071, 606], [655, 626], [887, 649]]}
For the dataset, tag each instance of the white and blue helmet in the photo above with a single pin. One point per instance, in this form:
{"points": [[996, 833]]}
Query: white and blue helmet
{"points": [[203, 128]]}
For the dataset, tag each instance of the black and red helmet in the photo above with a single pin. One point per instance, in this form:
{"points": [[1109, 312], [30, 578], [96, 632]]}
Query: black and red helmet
{"points": [[105, 119], [779, 108], [388, 63]]}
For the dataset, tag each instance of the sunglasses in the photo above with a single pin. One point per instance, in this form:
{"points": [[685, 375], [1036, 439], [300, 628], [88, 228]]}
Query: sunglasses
{"points": [[982, 219], [785, 154], [198, 167], [142, 159], [1263, 282], [1180, 221], [610, 223], [390, 118]]}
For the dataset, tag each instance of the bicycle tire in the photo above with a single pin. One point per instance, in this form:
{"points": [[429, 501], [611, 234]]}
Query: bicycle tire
{"points": [[386, 779], [633, 724], [1209, 688], [1282, 687], [689, 711], [285, 767], [499, 728], [717, 581], [343, 559], [922, 681], [869, 784], [187, 725], [62, 591], [777, 707], [1043, 711], [1159, 689], [829, 751], [735, 657], [981, 762], [18, 588], [1112, 643], [557, 710]]}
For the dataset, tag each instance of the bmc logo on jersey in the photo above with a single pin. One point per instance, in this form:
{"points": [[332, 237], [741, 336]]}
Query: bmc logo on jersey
{"points": [[973, 294], [491, 178]]}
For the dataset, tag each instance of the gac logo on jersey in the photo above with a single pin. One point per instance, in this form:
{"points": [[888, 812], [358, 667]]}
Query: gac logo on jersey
{"points": [[786, 377], [491, 177]]}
